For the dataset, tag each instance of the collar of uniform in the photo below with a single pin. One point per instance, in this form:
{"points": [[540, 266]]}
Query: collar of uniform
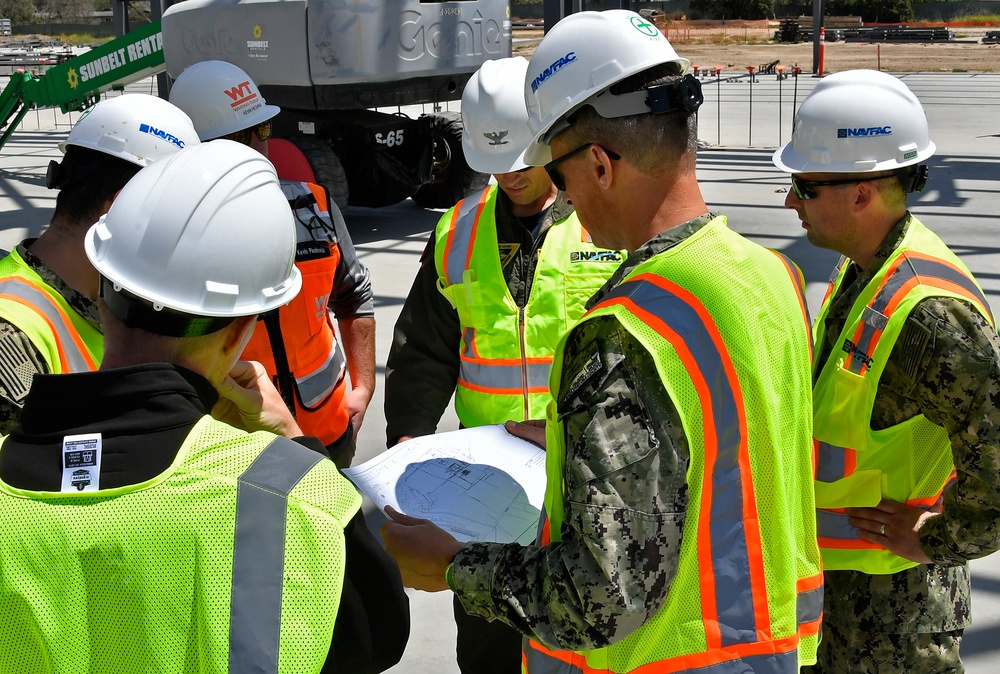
{"points": [[78, 301], [889, 244], [663, 241], [112, 397], [850, 289]]}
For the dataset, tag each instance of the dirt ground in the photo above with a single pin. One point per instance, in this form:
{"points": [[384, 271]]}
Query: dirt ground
{"points": [[964, 55]]}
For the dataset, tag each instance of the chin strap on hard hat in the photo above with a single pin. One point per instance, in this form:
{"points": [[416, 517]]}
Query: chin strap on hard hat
{"points": [[913, 178]]}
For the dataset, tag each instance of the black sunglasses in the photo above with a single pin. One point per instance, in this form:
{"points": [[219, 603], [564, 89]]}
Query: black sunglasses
{"points": [[806, 189], [552, 168], [262, 131]]}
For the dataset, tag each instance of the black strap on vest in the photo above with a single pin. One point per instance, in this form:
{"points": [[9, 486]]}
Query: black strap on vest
{"points": [[286, 384]]}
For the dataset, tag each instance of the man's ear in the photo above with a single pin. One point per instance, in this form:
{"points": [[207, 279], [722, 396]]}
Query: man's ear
{"points": [[866, 194], [603, 167]]}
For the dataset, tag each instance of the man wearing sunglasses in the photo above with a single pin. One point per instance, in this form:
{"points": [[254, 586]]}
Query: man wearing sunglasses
{"points": [[506, 272], [298, 343], [906, 385], [678, 532]]}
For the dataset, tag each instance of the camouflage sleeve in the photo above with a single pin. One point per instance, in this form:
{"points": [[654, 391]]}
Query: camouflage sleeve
{"points": [[953, 363], [19, 361], [625, 503]]}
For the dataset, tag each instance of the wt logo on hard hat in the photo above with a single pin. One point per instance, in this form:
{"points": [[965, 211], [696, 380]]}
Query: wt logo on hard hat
{"points": [[241, 93]]}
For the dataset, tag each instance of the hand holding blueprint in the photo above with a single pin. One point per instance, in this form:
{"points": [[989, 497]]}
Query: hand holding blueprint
{"points": [[479, 484]]}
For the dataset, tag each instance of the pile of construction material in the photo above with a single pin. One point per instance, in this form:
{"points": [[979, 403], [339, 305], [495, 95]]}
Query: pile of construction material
{"points": [[899, 34]]}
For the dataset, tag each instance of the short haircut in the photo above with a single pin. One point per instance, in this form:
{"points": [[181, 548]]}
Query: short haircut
{"points": [[893, 194], [649, 141], [82, 200]]}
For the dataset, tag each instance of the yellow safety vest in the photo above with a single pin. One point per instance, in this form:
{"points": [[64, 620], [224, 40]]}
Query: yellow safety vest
{"points": [[748, 592], [506, 350], [66, 340], [910, 462], [230, 561]]}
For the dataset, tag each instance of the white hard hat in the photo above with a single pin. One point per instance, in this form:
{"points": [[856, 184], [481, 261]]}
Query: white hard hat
{"points": [[857, 121], [579, 59], [138, 128], [220, 98], [494, 117], [206, 232]]}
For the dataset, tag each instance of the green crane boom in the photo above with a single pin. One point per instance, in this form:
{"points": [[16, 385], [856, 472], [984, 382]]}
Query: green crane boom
{"points": [[77, 83]]}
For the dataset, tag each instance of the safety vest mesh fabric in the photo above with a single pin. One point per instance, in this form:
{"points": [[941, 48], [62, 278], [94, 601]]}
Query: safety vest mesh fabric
{"points": [[315, 359], [747, 595], [64, 338], [910, 462], [506, 352], [230, 561]]}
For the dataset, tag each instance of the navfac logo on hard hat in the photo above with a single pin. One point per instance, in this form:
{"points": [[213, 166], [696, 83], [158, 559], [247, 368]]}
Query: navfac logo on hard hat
{"points": [[161, 134], [864, 132], [556, 66]]}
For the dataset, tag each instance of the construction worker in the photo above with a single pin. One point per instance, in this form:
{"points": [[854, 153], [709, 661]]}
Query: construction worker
{"points": [[139, 533], [678, 527], [906, 386], [506, 272], [298, 344], [48, 319]]}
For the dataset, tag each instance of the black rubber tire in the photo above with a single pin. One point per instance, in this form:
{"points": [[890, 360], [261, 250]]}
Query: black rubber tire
{"points": [[457, 180], [326, 166]]}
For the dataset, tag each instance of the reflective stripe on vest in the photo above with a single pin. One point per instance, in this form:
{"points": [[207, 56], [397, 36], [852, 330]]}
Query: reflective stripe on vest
{"points": [[317, 385], [73, 355], [259, 554], [504, 376], [730, 556], [464, 221], [909, 269], [537, 659]]}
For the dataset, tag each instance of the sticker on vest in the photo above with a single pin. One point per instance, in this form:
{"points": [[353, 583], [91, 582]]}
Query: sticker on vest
{"points": [[588, 368], [507, 253], [312, 250], [81, 462]]}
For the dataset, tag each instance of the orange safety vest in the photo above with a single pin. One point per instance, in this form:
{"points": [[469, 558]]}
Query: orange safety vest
{"points": [[315, 362]]}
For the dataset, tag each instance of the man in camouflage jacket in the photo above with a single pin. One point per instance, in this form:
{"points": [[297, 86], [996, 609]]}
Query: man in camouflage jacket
{"points": [[944, 366]]}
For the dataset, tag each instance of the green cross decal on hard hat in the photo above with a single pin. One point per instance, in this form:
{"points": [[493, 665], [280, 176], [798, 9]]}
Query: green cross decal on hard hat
{"points": [[643, 26]]}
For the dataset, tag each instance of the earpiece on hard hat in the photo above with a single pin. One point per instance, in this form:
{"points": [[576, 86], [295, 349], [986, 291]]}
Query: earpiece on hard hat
{"points": [[54, 175], [684, 94], [913, 178]]}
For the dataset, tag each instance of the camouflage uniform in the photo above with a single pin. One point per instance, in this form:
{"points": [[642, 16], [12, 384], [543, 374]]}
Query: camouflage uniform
{"points": [[15, 347], [626, 490], [944, 365]]}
